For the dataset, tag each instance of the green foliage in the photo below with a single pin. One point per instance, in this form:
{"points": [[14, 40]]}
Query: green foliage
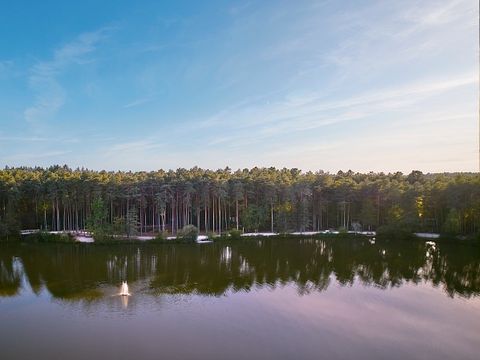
{"points": [[119, 226], [235, 234], [132, 223], [45, 237], [97, 223], [253, 217], [452, 222], [188, 233], [125, 203], [212, 236], [161, 236], [283, 216], [368, 213], [395, 214], [9, 224], [342, 230]]}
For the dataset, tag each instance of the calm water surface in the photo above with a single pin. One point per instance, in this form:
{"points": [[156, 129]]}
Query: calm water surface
{"points": [[252, 299]]}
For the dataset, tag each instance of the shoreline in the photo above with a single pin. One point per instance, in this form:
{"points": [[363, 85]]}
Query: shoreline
{"points": [[86, 238]]}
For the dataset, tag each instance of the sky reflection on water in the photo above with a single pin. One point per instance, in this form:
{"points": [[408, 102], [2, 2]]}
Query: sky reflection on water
{"points": [[279, 299]]}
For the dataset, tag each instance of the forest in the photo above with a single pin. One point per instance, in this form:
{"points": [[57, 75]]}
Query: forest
{"points": [[284, 200]]}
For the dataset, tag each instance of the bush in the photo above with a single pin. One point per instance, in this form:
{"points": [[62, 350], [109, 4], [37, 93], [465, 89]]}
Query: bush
{"points": [[235, 234], [342, 230], [212, 235], [46, 237], [189, 234], [102, 236], [161, 236]]}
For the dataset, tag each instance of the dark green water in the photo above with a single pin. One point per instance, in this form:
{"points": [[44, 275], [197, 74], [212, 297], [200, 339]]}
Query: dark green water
{"points": [[252, 299]]}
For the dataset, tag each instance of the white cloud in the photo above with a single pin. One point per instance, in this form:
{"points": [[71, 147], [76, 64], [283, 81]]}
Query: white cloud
{"points": [[43, 80], [136, 148], [408, 146], [27, 157], [312, 111], [35, 139], [392, 37], [383, 86], [137, 102], [5, 67]]}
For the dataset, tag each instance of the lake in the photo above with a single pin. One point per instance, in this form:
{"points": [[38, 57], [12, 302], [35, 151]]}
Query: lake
{"points": [[249, 299]]}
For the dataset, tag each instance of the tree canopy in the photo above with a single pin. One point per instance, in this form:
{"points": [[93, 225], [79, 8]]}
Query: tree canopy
{"points": [[257, 199]]}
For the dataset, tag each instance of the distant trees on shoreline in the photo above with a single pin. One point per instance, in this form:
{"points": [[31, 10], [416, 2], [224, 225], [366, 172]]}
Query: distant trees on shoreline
{"points": [[258, 199]]}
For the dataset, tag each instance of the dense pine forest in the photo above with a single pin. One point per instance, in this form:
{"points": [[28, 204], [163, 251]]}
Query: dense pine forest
{"points": [[259, 199]]}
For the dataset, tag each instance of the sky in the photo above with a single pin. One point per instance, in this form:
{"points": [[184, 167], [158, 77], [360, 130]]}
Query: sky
{"points": [[316, 85]]}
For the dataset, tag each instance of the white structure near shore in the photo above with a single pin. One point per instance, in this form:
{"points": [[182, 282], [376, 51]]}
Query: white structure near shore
{"points": [[86, 237], [427, 235]]}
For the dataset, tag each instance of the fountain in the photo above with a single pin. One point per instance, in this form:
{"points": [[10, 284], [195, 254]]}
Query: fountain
{"points": [[124, 289]]}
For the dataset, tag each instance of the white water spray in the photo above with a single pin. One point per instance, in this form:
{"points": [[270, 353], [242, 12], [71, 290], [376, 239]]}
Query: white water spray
{"points": [[124, 289]]}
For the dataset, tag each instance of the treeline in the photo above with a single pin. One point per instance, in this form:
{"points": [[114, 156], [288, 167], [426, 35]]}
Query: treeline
{"points": [[259, 199]]}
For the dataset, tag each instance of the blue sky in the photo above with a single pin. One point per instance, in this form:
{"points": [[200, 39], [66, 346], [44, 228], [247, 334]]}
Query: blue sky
{"points": [[123, 85]]}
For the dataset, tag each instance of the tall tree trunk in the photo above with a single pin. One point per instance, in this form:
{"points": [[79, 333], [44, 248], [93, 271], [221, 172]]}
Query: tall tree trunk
{"points": [[198, 217], [236, 212], [271, 217], [378, 211], [58, 214], [53, 216], [213, 214], [219, 216], [205, 214]]}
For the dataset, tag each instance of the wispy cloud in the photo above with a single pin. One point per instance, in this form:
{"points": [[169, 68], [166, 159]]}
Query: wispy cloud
{"points": [[49, 95], [137, 102], [370, 46], [402, 33], [367, 85], [409, 146], [24, 138], [5, 67], [312, 111], [27, 157], [436, 13], [125, 154], [135, 147], [28, 139]]}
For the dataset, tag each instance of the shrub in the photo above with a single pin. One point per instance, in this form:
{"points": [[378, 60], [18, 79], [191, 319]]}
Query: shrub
{"points": [[235, 234], [189, 234], [161, 237], [342, 230], [46, 237], [102, 236], [212, 235]]}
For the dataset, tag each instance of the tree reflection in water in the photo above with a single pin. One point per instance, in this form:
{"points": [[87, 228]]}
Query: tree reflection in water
{"points": [[86, 272]]}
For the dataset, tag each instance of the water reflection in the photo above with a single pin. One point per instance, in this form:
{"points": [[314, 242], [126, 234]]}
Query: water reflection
{"points": [[10, 276], [89, 273]]}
